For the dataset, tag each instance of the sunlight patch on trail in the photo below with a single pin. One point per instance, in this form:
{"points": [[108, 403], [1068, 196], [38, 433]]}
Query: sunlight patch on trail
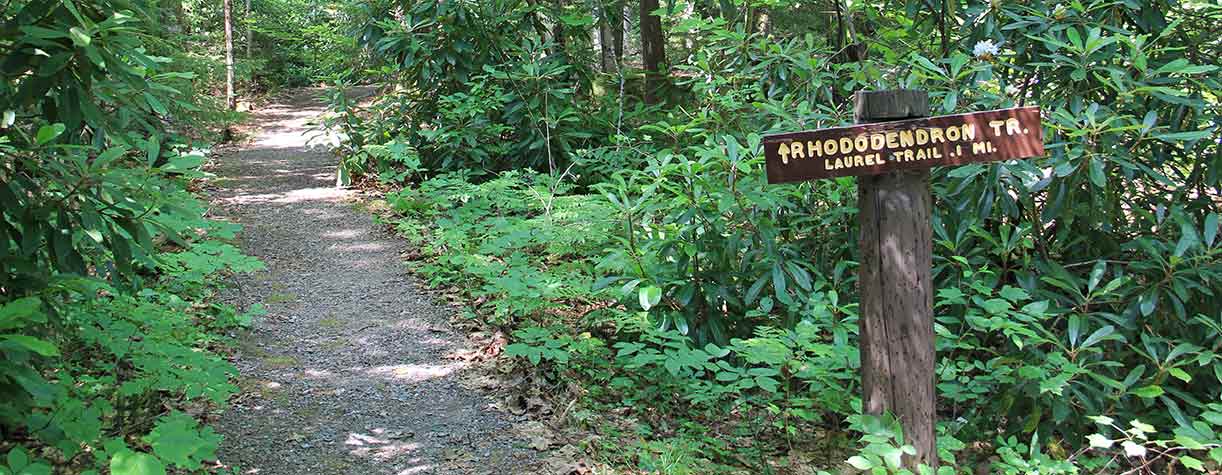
{"points": [[295, 196], [414, 372]]}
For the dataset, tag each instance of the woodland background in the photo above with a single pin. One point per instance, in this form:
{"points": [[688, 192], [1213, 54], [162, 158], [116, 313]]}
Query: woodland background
{"points": [[588, 175]]}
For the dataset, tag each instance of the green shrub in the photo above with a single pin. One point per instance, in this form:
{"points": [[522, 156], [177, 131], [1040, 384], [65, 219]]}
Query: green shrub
{"points": [[1070, 286], [108, 262]]}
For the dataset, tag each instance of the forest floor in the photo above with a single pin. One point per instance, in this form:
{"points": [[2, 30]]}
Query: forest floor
{"points": [[352, 370]]}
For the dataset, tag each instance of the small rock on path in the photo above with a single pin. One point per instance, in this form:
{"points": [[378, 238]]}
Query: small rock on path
{"points": [[346, 374]]}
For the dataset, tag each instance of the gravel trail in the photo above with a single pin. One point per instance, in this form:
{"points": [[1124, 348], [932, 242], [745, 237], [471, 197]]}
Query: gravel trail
{"points": [[347, 373]]}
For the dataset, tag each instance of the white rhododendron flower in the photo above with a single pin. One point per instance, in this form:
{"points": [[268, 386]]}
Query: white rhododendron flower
{"points": [[985, 49], [1133, 450]]}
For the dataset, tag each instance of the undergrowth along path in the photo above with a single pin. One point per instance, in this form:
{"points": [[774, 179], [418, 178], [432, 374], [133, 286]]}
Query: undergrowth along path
{"points": [[347, 373]]}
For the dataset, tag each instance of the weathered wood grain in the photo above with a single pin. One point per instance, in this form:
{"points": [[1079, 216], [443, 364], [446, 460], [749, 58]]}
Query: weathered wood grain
{"points": [[897, 338]]}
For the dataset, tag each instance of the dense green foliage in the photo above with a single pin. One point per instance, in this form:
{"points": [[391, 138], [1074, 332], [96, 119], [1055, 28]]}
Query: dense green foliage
{"points": [[109, 265], [624, 236], [636, 246]]}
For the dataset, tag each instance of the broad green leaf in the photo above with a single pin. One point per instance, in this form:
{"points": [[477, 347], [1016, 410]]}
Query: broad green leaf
{"points": [[42, 33], [1184, 136], [892, 456], [649, 296], [79, 36], [38, 468], [26, 308], [1188, 240], [859, 462], [30, 343], [1097, 176], [1188, 442], [1013, 294], [178, 439], [1173, 66], [1148, 302], [1096, 275], [95, 235], [127, 462], [108, 156], [1192, 463], [152, 150], [1149, 120], [996, 306], [766, 383], [1211, 229], [17, 458], [1074, 38], [48, 133], [1098, 335], [1198, 69], [183, 163], [1149, 392], [155, 104]]}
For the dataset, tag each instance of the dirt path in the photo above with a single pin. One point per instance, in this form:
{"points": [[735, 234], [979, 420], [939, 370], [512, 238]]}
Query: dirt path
{"points": [[347, 373]]}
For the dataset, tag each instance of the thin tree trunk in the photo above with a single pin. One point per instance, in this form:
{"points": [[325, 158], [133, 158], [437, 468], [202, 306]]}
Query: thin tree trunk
{"points": [[606, 52], [230, 99], [598, 36], [611, 35], [839, 43], [250, 37], [653, 50], [617, 30], [942, 30]]}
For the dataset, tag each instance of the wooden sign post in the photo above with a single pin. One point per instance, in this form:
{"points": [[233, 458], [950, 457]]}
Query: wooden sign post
{"points": [[891, 151]]}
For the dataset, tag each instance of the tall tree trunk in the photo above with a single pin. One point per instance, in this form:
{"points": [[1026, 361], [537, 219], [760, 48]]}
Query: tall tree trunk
{"points": [[617, 29], [250, 37], [230, 99], [839, 43], [611, 35], [606, 52], [653, 51]]}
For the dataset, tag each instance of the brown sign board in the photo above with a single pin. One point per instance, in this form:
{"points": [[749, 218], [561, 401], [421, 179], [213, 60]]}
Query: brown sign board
{"points": [[870, 149]]}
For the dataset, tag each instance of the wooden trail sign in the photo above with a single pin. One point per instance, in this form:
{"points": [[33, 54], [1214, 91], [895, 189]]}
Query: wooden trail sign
{"points": [[870, 149], [891, 154]]}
